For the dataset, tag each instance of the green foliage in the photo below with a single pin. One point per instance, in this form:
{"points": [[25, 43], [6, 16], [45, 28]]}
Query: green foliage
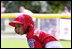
{"points": [[56, 6]]}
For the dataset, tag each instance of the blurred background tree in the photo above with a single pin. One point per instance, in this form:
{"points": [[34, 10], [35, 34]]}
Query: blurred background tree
{"points": [[35, 6], [58, 6]]}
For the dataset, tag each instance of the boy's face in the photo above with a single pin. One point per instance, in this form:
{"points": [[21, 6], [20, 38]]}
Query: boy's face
{"points": [[19, 29]]}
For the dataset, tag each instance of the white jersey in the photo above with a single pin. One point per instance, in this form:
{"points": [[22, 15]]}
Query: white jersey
{"points": [[27, 12], [3, 9], [53, 44], [66, 13]]}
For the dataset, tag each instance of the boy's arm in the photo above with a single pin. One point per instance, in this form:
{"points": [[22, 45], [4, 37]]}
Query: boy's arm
{"points": [[49, 41]]}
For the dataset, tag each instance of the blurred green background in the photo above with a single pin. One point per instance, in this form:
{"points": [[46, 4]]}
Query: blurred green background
{"points": [[35, 6]]}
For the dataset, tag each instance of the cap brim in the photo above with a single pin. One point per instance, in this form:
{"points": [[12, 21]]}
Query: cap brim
{"points": [[14, 22]]}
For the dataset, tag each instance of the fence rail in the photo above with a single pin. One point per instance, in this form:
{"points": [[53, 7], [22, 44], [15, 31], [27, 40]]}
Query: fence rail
{"points": [[41, 16]]}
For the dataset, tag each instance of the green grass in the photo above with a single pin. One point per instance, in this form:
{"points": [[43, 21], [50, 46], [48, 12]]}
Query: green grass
{"points": [[14, 43], [22, 43], [66, 43]]}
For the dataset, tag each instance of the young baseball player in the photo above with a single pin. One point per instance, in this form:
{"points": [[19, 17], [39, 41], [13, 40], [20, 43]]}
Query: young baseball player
{"points": [[36, 39]]}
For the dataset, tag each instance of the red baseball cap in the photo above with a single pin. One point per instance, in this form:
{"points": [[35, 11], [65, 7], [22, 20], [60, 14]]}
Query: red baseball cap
{"points": [[26, 20]]}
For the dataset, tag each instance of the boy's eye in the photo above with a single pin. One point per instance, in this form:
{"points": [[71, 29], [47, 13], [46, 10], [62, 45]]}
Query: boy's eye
{"points": [[18, 26]]}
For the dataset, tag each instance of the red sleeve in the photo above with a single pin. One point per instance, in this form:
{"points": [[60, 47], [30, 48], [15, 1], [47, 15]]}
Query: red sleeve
{"points": [[45, 38]]}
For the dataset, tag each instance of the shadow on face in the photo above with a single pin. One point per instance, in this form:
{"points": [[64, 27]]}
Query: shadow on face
{"points": [[19, 29]]}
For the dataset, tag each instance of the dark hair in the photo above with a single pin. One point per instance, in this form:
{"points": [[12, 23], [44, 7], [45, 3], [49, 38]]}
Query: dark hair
{"points": [[68, 8]]}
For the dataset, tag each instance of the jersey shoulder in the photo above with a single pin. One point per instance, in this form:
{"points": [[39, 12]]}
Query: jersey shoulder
{"points": [[40, 33], [37, 32]]}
